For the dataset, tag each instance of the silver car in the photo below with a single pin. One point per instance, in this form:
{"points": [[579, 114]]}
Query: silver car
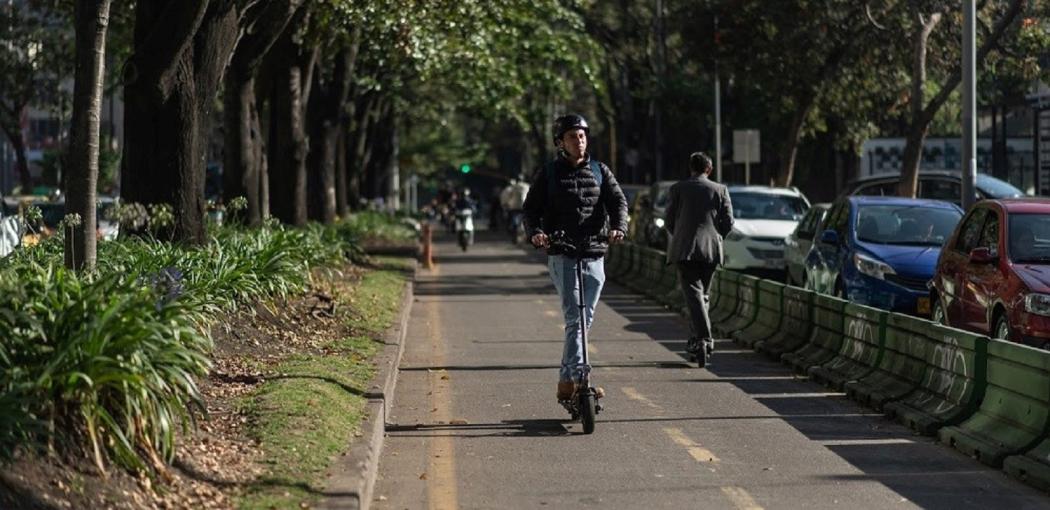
{"points": [[797, 245]]}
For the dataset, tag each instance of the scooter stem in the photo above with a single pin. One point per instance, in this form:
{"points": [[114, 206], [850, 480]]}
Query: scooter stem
{"points": [[583, 310]]}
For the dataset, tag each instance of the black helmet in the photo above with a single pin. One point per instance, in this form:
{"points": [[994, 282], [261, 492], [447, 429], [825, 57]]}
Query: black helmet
{"points": [[569, 122]]}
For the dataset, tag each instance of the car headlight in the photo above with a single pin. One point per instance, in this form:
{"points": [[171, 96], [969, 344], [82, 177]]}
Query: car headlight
{"points": [[1038, 304], [735, 235], [871, 267], [659, 222]]}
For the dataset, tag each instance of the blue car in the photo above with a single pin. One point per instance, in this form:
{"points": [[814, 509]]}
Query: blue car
{"points": [[881, 251]]}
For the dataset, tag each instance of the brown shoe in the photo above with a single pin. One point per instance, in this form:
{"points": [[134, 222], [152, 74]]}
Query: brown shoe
{"points": [[566, 389], [599, 392]]}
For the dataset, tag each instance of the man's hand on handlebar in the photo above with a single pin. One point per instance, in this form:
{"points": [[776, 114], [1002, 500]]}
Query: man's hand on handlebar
{"points": [[616, 236], [541, 240]]}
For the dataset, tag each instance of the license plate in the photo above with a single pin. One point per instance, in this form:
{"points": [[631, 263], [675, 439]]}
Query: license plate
{"points": [[924, 305]]}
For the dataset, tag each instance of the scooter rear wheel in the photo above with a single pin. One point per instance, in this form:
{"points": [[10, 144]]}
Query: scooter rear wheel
{"points": [[587, 412]]}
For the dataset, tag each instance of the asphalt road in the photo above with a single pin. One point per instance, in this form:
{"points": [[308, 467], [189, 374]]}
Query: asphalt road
{"points": [[475, 423]]}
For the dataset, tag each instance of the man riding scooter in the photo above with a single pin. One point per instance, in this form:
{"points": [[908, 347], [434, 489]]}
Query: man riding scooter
{"points": [[579, 196]]}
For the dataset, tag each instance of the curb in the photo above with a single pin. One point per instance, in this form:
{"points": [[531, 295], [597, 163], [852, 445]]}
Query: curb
{"points": [[353, 475]]}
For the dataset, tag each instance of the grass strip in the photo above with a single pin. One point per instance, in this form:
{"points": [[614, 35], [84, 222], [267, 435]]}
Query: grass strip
{"points": [[308, 415]]}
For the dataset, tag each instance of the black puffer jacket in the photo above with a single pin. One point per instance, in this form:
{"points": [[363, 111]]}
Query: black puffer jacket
{"points": [[576, 205]]}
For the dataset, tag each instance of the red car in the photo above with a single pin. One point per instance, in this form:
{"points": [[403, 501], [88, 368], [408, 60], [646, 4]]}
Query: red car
{"points": [[993, 275]]}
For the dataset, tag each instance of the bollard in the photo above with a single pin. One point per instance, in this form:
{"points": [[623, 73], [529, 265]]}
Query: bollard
{"points": [[428, 251]]}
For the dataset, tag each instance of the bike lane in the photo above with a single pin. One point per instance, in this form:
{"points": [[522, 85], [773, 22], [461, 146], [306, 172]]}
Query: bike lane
{"points": [[475, 424]]}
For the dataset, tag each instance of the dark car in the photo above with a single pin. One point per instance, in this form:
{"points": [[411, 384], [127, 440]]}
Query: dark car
{"points": [[881, 251], [647, 218], [798, 244], [993, 276], [936, 185]]}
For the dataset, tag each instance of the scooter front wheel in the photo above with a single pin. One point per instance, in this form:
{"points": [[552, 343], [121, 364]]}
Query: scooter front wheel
{"points": [[586, 404]]}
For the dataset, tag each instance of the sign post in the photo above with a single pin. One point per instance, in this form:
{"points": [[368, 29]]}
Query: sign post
{"points": [[747, 149]]}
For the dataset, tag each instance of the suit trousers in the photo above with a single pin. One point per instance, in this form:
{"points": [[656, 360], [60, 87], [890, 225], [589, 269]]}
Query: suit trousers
{"points": [[695, 279]]}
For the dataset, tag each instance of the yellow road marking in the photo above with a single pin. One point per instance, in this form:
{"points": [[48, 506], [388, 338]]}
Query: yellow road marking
{"points": [[441, 470], [699, 453], [740, 498], [634, 395]]}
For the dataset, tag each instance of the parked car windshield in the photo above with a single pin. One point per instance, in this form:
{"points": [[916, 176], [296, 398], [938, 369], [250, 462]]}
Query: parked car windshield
{"points": [[1030, 238], [905, 224], [766, 206]]}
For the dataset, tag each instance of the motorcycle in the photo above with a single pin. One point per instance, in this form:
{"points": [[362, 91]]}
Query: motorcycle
{"points": [[464, 226]]}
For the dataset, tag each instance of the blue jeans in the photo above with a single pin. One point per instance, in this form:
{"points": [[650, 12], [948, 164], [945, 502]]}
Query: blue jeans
{"points": [[563, 274]]}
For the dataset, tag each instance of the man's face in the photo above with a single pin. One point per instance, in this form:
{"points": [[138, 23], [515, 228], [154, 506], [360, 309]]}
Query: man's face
{"points": [[574, 142]]}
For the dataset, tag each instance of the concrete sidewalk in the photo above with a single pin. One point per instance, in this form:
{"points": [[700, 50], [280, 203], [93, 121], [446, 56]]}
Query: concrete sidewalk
{"points": [[475, 425]]}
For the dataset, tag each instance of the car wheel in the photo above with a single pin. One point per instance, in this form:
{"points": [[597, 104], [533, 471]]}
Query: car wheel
{"points": [[1002, 328], [939, 314]]}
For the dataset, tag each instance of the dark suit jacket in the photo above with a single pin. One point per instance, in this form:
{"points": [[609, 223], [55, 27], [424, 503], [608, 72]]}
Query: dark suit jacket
{"points": [[698, 216]]}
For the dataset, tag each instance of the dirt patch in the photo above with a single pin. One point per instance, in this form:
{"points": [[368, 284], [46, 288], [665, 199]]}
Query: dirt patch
{"points": [[217, 458]]}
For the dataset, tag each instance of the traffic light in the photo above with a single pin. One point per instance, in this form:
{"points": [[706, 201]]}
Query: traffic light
{"points": [[464, 168]]}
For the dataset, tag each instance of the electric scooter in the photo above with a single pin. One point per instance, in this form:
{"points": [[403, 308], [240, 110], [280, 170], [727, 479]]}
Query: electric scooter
{"points": [[583, 405]]}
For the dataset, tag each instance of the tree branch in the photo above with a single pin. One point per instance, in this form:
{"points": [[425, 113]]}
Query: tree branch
{"points": [[992, 41], [170, 33]]}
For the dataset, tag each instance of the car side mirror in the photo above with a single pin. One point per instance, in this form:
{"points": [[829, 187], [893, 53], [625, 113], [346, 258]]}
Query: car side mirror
{"points": [[829, 237], [982, 256]]}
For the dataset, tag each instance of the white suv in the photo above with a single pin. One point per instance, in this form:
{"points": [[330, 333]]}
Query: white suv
{"points": [[764, 218]]}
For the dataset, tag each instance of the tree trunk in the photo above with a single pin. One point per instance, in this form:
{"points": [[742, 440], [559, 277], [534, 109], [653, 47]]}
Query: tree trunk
{"points": [[909, 183], [789, 148], [91, 23], [182, 48], [341, 207], [240, 173], [327, 111], [243, 165], [293, 67], [18, 143], [359, 155]]}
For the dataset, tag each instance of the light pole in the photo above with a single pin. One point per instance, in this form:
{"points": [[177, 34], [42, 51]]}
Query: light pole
{"points": [[718, 111], [969, 119]]}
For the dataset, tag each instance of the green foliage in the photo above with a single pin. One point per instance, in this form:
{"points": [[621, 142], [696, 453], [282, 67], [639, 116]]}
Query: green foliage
{"points": [[107, 360]]}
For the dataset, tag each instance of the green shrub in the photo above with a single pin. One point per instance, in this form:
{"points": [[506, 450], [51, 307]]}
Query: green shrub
{"points": [[107, 361]]}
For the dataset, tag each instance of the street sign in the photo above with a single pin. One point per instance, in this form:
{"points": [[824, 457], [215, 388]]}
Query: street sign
{"points": [[747, 146]]}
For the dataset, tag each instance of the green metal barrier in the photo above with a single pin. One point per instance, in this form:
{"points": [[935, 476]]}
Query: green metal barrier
{"points": [[648, 270], [614, 260], [713, 293], [728, 297], [903, 363], [952, 385], [824, 343], [796, 326], [864, 333], [745, 312], [767, 321], [1012, 418], [667, 288], [630, 267]]}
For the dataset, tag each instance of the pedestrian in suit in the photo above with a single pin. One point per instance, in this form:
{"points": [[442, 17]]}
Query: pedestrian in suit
{"points": [[698, 216]]}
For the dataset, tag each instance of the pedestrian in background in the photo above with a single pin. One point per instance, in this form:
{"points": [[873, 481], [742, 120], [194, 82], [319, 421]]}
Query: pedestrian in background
{"points": [[699, 215]]}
